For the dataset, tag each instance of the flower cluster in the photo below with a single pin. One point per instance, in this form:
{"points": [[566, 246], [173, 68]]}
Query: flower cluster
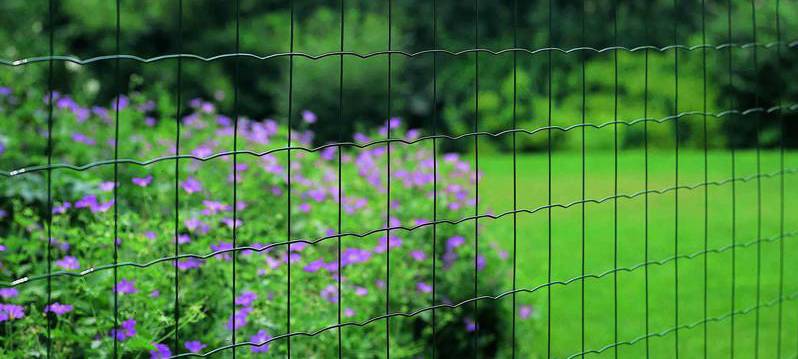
{"points": [[332, 261]]}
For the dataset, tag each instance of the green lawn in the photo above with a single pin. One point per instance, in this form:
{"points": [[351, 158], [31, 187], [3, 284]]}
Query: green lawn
{"points": [[496, 193]]}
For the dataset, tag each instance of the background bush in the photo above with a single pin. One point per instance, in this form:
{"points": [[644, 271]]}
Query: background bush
{"points": [[149, 29]]}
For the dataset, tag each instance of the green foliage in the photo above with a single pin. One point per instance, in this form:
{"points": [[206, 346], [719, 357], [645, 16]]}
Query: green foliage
{"points": [[84, 226]]}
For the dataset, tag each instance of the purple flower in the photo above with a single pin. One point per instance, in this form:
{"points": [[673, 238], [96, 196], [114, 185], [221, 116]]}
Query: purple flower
{"points": [[354, 255], [142, 181], [359, 137], [223, 121], [309, 117], [503, 254], [11, 312], [418, 255], [328, 154], [361, 292], [384, 244], [298, 246], [314, 266], [62, 245], [261, 338], [62, 208], [423, 287], [107, 186], [293, 257], [470, 325], [273, 263], [213, 207], [189, 263], [330, 293], [126, 330], [246, 298], [222, 246], [68, 263], [101, 112], [451, 157], [102, 207], [525, 311], [150, 235], [349, 312], [126, 287], [122, 101], [81, 138], [161, 351], [6, 293], [194, 346], [454, 242], [304, 207], [240, 319], [58, 308], [191, 185], [203, 151], [317, 195], [232, 224], [196, 225], [155, 294], [394, 122], [183, 238], [480, 262], [86, 202]]}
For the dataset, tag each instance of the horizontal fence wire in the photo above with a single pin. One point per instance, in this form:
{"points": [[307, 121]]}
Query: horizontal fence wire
{"points": [[76, 60], [95, 269], [770, 303], [84, 167], [629, 269]]}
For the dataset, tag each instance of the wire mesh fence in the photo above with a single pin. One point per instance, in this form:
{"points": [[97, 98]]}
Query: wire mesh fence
{"points": [[203, 234]]}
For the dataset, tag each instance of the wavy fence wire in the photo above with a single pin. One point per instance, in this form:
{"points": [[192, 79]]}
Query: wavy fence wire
{"points": [[479, 55]]}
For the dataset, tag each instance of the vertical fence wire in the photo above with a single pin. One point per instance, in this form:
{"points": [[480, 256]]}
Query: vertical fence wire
{"points": [[730, 75], [50, 89], [388, 192], [676, 179], [549, 227], [615, 180], [583, 110], [757, 125], [515, 171], [236, 83], [178, 107], [289, 171], [780, 320], [705, 308], [340, 172], [476, 179], [115, 239], [646, 192], [434, 175]]}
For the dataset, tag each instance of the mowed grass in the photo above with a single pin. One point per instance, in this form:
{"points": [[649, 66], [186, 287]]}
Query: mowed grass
{"points": [[754, 227]]}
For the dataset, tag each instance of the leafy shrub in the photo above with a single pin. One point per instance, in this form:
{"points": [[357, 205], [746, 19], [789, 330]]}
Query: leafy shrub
{"points": [[214, 301]]}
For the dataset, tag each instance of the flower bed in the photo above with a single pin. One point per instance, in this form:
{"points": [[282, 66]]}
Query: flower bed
{"points": [[221, 290]]}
